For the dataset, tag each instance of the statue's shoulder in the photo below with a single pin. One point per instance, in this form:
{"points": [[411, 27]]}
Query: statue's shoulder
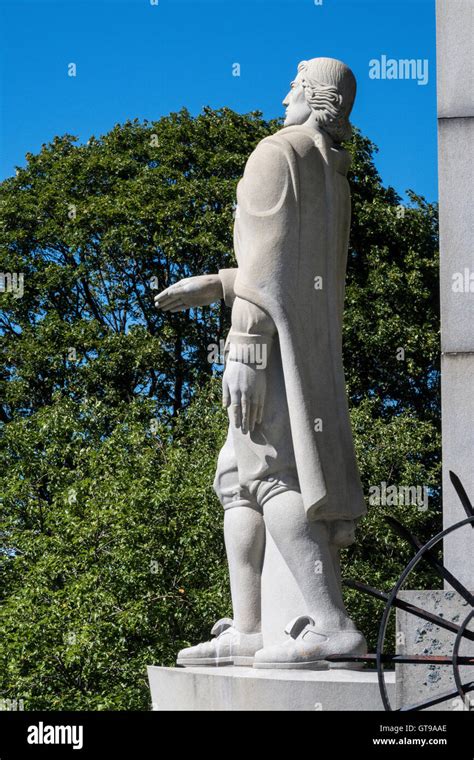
{"points": [[280, 151], [301, 141], [300, 138], [269, 158], [268, 175]]}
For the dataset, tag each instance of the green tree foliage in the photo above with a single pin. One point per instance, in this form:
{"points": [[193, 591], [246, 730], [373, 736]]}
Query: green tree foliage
{"points": [[89, 226], [111, 550]]}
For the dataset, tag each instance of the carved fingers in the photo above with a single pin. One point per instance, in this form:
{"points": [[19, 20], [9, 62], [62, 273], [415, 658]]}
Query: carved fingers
{"points": [[173, 298], [243, 394], [190, 292]]}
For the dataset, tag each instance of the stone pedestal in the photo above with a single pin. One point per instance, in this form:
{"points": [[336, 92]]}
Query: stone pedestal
{"points": [[416, 683], [281, 598], [455, 72], [231, 688]]}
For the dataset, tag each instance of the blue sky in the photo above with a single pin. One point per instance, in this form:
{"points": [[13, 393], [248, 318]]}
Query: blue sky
{"points": [[135, 59]]}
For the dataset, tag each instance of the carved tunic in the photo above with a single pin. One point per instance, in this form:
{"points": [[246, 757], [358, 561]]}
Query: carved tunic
{"points": [[291, 238]]}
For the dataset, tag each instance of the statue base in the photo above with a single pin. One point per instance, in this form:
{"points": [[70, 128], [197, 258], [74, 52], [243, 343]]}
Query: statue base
{"points": [[416, 683], [235, 688]]}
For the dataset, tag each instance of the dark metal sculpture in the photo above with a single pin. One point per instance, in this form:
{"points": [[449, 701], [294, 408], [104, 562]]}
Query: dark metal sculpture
{"points": [[461, 632]]}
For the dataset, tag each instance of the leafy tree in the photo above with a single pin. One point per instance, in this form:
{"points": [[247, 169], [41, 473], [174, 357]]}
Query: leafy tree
{"points": [[391, 325], [118, 562], [111, 547], [90, 226]]}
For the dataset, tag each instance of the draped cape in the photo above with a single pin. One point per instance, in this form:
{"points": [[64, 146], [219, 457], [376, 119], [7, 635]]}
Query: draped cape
{"points": [[291, 237]]}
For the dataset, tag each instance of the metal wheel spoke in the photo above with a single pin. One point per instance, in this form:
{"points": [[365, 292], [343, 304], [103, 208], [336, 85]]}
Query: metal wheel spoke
{"points": [[401, 604], [431, 558], [463, 497], [407, 659], [428, 553], [427, 659], [436, 700], [457, 657]]}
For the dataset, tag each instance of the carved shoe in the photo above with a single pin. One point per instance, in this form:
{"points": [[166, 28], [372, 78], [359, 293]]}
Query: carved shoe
{"points": [[229, 647], [307, 648]]}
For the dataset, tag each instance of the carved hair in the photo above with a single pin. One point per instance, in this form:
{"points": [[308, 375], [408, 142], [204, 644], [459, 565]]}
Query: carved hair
{"points": [[330, 101]]}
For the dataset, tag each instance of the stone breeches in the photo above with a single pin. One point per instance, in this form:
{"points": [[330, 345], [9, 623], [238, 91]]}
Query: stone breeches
{"points": [[252, 492], [254, 467]]}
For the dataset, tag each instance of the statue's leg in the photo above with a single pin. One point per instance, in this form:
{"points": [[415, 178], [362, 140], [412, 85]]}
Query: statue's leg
{"points": [[336, 563], [236, 641], [305, 548], [313, 561], [244, 533]]}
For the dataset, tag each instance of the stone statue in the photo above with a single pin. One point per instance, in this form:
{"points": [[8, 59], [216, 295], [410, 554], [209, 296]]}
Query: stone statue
{"points": [[287, 476]]}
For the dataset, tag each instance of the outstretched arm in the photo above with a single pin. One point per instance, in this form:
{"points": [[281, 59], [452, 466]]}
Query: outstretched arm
{"points": [[198, 291]]}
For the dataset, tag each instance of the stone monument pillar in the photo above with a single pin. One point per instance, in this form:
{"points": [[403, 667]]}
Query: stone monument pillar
{"points": [[455, 78]]}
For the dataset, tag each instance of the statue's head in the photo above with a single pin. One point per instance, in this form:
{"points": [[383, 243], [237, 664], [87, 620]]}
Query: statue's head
{"points": [[324, 90]]}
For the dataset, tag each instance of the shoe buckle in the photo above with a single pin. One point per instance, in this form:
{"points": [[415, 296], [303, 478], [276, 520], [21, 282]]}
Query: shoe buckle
{"points": [[295, 626], [222, 625]]}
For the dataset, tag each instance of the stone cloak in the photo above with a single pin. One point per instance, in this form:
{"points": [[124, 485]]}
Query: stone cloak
{"points": [[291, 228]]}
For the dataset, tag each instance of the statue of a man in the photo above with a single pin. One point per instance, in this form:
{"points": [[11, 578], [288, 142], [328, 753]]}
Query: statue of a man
{"points": [[288, 467]]}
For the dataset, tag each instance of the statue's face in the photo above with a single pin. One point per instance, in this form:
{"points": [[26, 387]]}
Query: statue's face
{"points": [[297, 109]]}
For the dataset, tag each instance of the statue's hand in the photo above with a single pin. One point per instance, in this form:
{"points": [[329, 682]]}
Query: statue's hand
{"points": [[192, 291], [243, 393]]}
